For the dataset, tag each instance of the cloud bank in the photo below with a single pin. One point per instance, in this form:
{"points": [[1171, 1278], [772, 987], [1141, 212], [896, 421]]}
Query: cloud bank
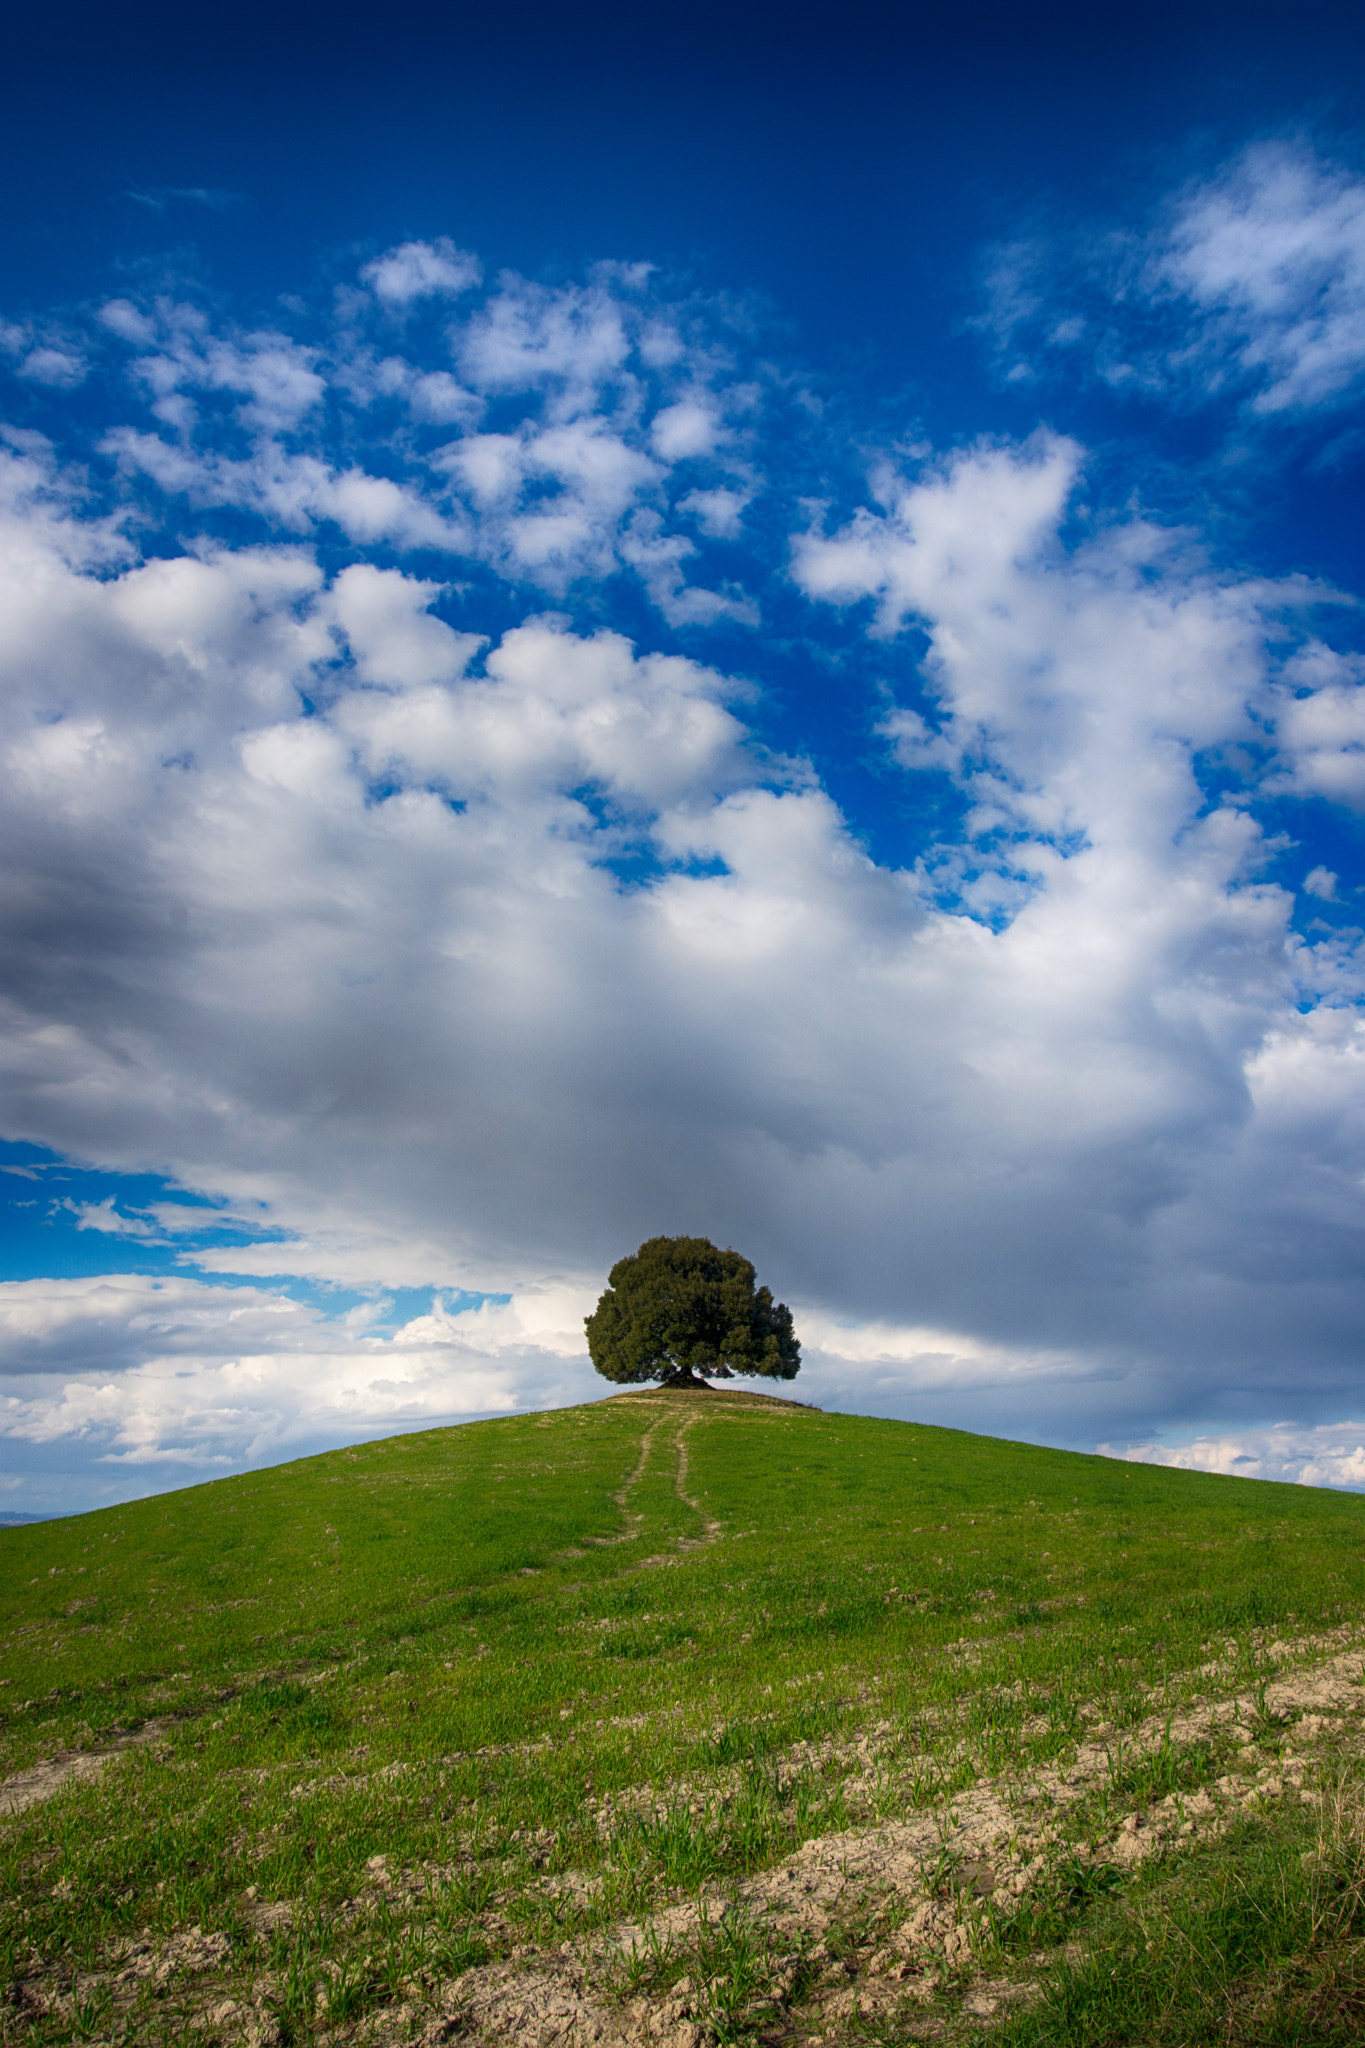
{"points": [[177, 1373], [1331, 1455], [363, 872]]}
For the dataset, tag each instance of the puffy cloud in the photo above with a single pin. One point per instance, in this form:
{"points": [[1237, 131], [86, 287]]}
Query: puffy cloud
{"points": [[573, 342], [1073, 689], [123, 318], [61, 367], [553, 714], [422, 270], [575, 482], [718, 512], [385, 620], [659, 558], [469, 958], [47, 359], [571, 530], [374, 508], [274, 376], [687, 428], [1320, 725]]}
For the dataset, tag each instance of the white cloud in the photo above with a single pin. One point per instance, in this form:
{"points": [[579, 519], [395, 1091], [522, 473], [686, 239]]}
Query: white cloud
{"points": [[60, 367], [572, 530], [42, 358], [374, 508], [1249, 283], [573, 487], [1320, 725], [435, 397], [186, 1218], [552, 714], [571, 341], [1075, 700], [685, 429], [385, 620], [718, 512], [422, 270], [659, 558], [1330, 1455], [469, 958], [174, 1372], [1272, 251], [275, 377], [857, 1362], [123, 318], [109, 1220]]}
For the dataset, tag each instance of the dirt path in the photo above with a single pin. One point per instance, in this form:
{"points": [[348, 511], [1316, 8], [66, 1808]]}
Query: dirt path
{"points": [[622, 1498], [711, 1529], [673, 1430], [47, 1777]]}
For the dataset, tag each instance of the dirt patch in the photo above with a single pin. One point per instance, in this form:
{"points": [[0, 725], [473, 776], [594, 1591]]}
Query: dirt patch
{"points": [[853, 1927], [530, 2006], [69, 1766], [923, 1884]]}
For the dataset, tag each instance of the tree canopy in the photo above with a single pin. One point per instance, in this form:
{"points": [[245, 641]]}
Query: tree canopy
{"points": [[680, 1307]]}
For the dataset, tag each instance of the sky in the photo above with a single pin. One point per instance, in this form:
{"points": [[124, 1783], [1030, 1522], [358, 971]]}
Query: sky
{"points": [[743, 626]]}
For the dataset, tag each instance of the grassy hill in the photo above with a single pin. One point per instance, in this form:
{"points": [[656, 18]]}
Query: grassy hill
{"points": [[687, 1718]]}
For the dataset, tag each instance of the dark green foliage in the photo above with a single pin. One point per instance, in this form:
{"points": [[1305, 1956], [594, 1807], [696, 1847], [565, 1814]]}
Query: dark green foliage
{"points": [[679, 1307]]}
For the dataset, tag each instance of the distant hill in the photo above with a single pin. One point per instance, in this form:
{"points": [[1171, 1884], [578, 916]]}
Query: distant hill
{"points": [[12, 1521], [693, 1718]]}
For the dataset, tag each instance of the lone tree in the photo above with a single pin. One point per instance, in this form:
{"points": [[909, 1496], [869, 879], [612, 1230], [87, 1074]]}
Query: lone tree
{"points": [[679, 1307]]}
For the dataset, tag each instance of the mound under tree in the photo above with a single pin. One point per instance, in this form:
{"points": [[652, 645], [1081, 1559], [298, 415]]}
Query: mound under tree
{"points": [[681, 1311]]}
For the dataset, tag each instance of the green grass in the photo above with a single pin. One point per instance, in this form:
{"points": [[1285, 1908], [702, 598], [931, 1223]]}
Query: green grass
{"points": [[1258, 1942], [559, 1719]]}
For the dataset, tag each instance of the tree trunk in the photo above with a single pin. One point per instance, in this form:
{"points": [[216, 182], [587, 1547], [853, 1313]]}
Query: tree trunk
{"points": [[683, 1376]]}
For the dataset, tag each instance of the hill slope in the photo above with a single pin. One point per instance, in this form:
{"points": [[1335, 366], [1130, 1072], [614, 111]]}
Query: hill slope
{"points": [[684, 1717]]}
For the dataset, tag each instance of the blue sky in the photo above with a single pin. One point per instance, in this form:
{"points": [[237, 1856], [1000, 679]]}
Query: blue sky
{"points": [[747, 627]]}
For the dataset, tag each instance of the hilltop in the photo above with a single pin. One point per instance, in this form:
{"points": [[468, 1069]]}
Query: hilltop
{"points": [[690, 1718]]}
